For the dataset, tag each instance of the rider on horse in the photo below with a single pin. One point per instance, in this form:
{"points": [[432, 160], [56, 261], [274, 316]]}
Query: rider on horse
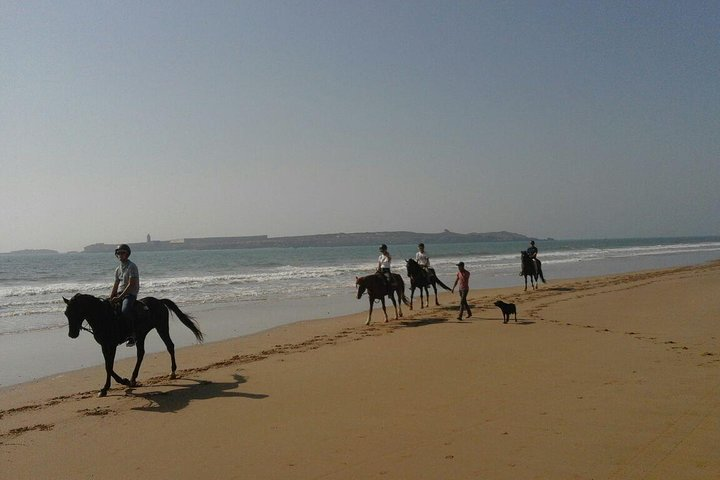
{"points": [[532, 252], [423, 260], [383, 267], [126, 288]]}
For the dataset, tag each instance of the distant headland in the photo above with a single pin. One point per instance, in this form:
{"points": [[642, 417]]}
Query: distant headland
{"points": [[322, 240], [34, 251]]}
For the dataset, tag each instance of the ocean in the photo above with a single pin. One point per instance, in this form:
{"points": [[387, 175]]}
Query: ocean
{"points": [[267, 287]]}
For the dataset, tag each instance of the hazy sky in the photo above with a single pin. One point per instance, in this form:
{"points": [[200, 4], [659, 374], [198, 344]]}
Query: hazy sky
{"points": [[569, 119]]}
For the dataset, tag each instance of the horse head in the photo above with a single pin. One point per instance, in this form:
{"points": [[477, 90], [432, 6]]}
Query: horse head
{"points": [[74, 315], [412, 266], [360, 284]]}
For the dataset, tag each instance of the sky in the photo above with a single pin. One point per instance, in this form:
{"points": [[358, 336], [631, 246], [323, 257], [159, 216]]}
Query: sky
{"points": [[564, 119]]}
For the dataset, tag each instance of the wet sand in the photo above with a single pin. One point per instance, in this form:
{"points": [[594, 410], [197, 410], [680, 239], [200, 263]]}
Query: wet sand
{"points": [[606, 377]]}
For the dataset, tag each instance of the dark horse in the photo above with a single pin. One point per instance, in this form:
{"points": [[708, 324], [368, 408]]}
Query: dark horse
{"points": [[528, 270], [422, 279], [109, 331], [377, 290]]}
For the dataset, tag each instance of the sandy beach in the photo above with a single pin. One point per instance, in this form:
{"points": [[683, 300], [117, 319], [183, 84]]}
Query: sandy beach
{"points": [[613, 377]]}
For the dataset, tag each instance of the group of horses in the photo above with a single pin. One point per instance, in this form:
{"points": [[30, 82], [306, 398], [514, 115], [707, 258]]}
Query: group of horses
{"points": [[378, 288], [150, 313]]}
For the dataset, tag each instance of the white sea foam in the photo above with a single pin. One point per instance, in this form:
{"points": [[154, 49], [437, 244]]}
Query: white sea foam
{"points": [[29, 301]]}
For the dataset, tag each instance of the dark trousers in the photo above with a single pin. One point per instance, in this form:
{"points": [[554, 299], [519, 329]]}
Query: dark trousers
{"points": [[127, 312], [463, 303], [387, 276]]}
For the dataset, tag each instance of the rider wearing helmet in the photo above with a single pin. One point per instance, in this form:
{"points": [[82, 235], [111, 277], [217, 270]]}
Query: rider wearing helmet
{"points": [[126, 287], [421, 257], [532, 252], [383, 267], [423, 260]]}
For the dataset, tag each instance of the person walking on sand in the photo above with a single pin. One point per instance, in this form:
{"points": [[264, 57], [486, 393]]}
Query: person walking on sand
{"points": [[463, 278], [383, 267], [126, 288]]}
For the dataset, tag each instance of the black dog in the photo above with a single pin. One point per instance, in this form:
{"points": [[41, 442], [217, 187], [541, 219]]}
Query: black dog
{"points": [[507, 309]]}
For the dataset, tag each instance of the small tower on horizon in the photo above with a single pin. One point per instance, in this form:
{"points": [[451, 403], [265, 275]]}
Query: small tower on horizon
{"points": [[148, 238]]}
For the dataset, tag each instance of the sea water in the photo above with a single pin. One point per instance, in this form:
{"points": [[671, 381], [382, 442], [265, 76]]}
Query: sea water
{"points": [[267, 287]]}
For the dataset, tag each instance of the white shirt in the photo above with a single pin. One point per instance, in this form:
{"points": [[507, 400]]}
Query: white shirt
{"points": [[422, 259], [384, 261]]}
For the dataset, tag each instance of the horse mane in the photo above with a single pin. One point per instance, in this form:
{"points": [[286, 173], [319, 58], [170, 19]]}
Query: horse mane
{"points": [[95, 304], [411, 264]]}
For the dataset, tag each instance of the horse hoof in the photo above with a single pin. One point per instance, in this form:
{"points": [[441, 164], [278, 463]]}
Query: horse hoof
{"points": [[102, 393], [173, 376]]}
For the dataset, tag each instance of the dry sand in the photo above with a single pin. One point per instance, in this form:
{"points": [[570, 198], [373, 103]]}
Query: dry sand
{"points": [[610, 377]]}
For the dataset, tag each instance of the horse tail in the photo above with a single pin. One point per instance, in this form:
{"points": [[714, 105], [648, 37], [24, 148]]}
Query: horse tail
{"points": [[401, 289], [442, 284], [186, 319]]}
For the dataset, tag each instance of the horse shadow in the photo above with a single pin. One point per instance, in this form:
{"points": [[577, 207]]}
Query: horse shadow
{"points": [[421, 322], [180, 397]]}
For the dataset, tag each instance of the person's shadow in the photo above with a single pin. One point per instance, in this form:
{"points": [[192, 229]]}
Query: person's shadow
{"points": [[181, 396]]}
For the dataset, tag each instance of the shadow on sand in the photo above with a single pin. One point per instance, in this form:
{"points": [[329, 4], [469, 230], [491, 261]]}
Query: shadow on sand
{"points": [[520, 322], [421, 322], [181, 395]]}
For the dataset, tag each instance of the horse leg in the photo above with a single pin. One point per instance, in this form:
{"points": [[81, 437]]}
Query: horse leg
{"points": [[526, 283], [372, 300], [140, 348], [398, 305], [392, 299], [435, 290], [412, 292], [382, 302], [109, 355], [164, 333]]}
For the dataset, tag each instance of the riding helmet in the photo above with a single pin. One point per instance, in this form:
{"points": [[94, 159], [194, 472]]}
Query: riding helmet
{"points": [[122, 248], [383, 247]]}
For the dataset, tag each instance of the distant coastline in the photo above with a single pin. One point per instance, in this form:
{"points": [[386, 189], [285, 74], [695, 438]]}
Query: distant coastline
{"points": [[31, 251], [322, 240]]}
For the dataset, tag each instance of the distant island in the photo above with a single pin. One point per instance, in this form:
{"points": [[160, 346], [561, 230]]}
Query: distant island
{"points": [[322, 240], [39, 251]]}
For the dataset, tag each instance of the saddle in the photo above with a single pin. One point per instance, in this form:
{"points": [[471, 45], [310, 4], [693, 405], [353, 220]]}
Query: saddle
{"points": [[138, 310], [390, 282]]}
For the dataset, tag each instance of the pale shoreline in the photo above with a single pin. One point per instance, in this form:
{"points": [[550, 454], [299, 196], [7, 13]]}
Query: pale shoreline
{"points": [[224, 321], [605, 377]]}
